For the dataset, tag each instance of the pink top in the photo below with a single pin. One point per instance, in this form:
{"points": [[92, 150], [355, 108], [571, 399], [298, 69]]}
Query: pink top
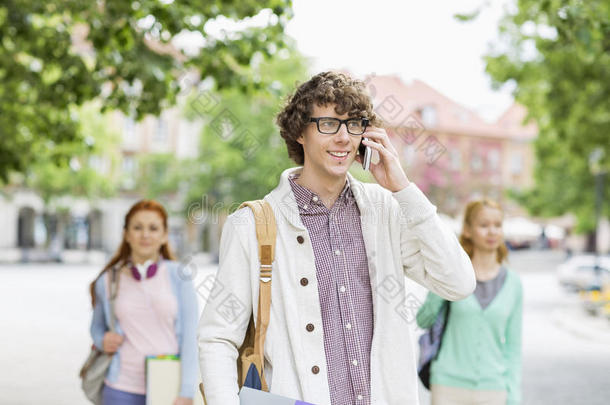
{"points": [[146, 311]]}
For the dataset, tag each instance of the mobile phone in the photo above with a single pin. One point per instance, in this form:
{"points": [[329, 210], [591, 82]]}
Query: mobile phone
{"points": [[366, 153]]}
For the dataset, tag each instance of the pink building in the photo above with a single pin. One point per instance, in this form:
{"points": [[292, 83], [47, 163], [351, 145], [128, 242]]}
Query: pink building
{"points": [[448, 150]]}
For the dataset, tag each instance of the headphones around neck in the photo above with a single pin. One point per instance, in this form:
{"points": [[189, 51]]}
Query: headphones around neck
{"points": [[151, 270]]}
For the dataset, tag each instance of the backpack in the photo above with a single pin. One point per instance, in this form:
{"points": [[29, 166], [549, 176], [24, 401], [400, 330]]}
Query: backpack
{"points": [[430, 344], [251, 360]]}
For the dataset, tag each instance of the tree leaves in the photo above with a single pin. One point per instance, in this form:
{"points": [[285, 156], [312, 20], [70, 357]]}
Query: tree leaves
{"points": [[56, 55], [242, 153], [566, 89]]}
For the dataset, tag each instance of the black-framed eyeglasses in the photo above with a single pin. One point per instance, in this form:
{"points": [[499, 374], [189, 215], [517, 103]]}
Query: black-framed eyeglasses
{"points": [[331, 125]]}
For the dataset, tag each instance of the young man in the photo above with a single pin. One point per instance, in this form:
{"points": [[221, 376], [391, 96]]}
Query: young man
{"points": [[337, 333]]}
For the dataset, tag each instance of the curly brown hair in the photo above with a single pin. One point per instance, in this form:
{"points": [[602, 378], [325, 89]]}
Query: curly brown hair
{"points": [[348, 95]]}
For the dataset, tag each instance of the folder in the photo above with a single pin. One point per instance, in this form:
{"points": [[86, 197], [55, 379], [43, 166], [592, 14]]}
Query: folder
{"points": [[249, 396], [163, 381]]}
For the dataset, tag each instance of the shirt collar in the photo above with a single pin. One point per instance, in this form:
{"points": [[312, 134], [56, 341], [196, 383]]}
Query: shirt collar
{"points": [[309, 202]]}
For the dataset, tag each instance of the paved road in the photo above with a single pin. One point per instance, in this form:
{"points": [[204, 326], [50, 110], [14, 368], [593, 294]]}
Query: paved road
{"points": [[559, 366], [44, 337]]}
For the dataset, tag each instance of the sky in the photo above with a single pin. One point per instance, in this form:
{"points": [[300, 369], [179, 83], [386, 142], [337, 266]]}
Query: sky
{"points": [[410, 39]]}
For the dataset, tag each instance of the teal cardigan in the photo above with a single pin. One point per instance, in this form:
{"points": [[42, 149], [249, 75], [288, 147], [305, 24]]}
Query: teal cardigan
{"points": [[185, 327], [481, 348]]}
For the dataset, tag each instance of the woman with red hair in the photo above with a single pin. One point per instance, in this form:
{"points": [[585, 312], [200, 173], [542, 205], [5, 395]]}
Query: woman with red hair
{"points": [[155, 309], [479, 361]]}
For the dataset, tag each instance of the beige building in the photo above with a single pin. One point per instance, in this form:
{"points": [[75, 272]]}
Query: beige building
{"points": [[89, 228]]}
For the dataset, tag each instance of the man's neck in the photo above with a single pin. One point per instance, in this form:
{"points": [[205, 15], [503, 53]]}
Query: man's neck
{"points": [[328, 189]]}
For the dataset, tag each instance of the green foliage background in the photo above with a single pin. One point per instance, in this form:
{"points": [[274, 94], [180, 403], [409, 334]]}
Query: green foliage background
{"points": [[123, 61], [557, 54]]}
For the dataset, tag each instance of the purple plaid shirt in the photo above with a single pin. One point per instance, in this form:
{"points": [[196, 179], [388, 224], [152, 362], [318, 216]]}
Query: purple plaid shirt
{"points": [[344, 289]]}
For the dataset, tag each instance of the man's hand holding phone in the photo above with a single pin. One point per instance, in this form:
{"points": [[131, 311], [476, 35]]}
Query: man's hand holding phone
{"points": [[388, 171]]}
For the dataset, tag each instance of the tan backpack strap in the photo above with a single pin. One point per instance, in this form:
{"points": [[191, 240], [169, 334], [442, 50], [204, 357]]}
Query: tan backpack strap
{"points": [[266, 232]]}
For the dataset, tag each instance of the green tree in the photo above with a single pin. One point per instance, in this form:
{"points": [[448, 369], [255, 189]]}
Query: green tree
{"points": [[159, 175], [557, 54], [92, 169], [241, 151], [58, 54]]}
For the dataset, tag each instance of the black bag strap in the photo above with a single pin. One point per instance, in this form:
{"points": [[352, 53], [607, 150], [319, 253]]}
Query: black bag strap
{"points": [[447, 306]]}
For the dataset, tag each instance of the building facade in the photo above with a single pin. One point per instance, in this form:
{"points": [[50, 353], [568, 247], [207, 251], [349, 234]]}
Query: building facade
{"points": [[448, 150], [78, 229]]}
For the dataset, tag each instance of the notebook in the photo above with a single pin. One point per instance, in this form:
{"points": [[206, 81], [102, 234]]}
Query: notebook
{"points": [[163, 381], [249, 396]]}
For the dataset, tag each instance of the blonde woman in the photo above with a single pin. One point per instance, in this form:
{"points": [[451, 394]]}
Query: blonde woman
{"points": [[480, 357]]}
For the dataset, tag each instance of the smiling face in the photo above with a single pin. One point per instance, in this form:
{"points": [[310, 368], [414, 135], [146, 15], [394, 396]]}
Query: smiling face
{"points": [[485, 229], [145, 234], [328, 156]]}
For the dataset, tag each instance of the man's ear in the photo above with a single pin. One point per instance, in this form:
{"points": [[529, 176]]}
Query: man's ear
{"points": [[300, 139]]}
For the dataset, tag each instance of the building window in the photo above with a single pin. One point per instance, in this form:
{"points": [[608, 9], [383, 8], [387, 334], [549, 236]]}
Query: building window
{"points": [[408, 154], [516, 163], [129, 128], [161, 133], [455, 160], [129, 166], [476, 162], [129, 133], [428, 116], [493, 159]]}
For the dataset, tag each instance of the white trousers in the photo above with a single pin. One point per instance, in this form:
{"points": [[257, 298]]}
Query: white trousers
{"points": [[445, 395]]}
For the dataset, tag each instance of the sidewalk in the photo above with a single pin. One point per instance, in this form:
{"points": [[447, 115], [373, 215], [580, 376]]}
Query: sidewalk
{"points": [[577, 321]]}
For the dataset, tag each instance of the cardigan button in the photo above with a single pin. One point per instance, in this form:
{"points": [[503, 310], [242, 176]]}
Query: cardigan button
{"points": [[310, 327], [315, 369], [304, 281], [300, 239]]}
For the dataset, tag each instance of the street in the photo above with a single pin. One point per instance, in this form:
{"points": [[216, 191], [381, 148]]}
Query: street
{"points": [[46, 312], [559, 366]]}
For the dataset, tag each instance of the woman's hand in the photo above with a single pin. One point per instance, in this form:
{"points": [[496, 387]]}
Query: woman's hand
{"points": [[183, 401], [388, 171], [111, 342]]}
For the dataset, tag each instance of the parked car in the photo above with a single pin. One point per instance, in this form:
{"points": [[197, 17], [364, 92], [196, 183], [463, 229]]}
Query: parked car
{"points": [[596, 302], [578, 272]]}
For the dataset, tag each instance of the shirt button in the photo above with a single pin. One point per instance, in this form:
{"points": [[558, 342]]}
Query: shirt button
{"points": [[305, 207], [300, 239], [355, 362], [337, 252], [310, 327], [342, 288], [348, 326], [304, 281], [315, 369], [315, 198], [359, 397]]}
